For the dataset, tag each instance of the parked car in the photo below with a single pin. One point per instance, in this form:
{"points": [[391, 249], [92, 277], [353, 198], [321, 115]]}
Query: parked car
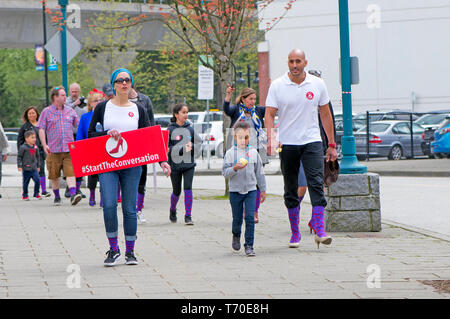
{"points": [[441, 144], [390, 139], [12, 141], [339, 127], [163, 120], [393, 115], [201, 117], [338, 116], [212, 131], [430, 122]]}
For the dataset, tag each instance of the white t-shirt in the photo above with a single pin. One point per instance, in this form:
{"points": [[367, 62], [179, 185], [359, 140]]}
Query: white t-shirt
{"points": [[298, 108], [120, 118]]}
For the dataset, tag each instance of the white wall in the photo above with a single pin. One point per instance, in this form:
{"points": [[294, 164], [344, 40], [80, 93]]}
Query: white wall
{"points": [[410, 51]]}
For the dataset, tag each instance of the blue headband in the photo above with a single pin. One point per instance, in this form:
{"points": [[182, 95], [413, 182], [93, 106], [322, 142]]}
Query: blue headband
{"points": [[114, 76]]}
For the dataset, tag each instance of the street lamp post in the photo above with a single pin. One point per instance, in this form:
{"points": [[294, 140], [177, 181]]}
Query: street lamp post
{"points": [[63, 4], [241, 80], [349, 163]]}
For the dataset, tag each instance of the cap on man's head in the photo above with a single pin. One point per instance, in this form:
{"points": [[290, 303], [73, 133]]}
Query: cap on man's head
{"points": [[107, 89]]}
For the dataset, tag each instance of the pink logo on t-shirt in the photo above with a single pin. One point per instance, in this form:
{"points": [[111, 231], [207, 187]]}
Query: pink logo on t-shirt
{"points": [[131, 114], [310, 95]]}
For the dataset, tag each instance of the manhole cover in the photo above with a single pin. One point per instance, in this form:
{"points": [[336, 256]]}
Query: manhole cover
{"points": [[438, 285]]}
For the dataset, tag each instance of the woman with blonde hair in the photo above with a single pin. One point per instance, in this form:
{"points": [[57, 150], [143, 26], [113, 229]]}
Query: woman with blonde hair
{"points": [[94, 97], [246, 110]]}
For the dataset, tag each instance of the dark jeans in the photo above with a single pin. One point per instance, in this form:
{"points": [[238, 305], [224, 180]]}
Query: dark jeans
{"points": [[238, 203], [27, 175], [187, 177], [311, 157], [109, 183]]}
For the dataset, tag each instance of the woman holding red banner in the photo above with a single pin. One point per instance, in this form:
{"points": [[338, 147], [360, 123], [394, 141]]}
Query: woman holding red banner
{"points": [[111, 118]]}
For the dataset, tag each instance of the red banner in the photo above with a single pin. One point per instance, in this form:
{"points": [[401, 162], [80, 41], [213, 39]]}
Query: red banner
{"points": [[104, 154]]}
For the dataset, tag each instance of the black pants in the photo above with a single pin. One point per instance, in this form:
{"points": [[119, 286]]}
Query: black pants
{"points": [[143, 180], [92, 181], [187, 177], [42, 157], [311, 156]]}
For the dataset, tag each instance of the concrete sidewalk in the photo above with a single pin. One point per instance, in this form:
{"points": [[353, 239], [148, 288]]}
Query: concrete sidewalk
{"points": [[44, 250]]}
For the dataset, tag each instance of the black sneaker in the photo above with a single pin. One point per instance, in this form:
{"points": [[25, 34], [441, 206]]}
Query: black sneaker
{"points": [[46, 194], [57, 201], [173, 216], [67, 193], [130, 258], [249, 251], [188, 220], [112, 258], [82, 195], [75, 199], [236, 243]]}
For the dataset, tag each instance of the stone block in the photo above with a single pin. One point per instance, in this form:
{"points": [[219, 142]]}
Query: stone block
{"points": [[354, 204], [374, 183], [369, 202], [350, 185], [339, 221]]}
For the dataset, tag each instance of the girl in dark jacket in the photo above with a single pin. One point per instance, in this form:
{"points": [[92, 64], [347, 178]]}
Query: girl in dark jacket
{"points": [[30, 118], [183, 144], [246, 110]]}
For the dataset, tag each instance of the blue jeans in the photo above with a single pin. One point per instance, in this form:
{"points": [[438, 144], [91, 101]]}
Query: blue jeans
{"points": [[129, 181], [27, 175], [238, 202]]}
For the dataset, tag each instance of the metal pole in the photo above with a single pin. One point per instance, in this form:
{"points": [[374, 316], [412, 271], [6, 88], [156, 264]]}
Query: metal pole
{"points": [[47, 100], [367, 137], [412, 135], [248, 75], [349, 163], [209, 133], [63, 4], [154, 178]]}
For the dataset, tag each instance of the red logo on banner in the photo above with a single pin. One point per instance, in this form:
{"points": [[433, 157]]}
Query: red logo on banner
{"points": [[116, 149], [310, 95], [105, 154]]}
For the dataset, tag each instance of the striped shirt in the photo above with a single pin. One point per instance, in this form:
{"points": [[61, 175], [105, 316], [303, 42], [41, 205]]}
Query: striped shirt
{"points": [[58, 126]]}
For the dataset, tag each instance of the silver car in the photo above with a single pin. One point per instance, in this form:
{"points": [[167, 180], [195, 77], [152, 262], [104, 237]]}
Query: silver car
{"points": [[390, 139]]}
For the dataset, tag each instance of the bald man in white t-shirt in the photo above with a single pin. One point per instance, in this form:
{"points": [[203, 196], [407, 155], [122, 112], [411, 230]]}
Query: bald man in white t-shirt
{"points": [[298, 96]]}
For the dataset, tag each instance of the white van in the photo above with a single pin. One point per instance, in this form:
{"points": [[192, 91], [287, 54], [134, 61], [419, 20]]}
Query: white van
{"points": [[200, 117]]}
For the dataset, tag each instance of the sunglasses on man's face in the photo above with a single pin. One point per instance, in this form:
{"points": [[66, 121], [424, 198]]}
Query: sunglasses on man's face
{"points": [[121, 80]]}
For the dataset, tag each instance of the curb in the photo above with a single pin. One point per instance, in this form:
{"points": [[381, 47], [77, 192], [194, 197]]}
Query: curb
{"points": [[212, 172]]}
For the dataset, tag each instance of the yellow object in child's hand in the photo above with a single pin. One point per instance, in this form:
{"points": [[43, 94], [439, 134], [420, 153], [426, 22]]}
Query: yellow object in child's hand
{"points": [[243, 161]]}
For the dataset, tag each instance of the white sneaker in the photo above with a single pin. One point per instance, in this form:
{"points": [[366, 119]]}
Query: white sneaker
{"points": [[141, 218]]}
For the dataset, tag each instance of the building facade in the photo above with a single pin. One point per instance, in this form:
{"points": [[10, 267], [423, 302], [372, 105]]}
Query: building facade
{"points": [[403, 47]]}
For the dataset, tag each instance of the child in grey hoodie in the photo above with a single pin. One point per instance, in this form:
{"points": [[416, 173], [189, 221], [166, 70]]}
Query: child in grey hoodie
{"points": [[243, 167]]}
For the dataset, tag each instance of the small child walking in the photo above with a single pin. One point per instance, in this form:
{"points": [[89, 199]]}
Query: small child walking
{"points": [[243, 167], [28, 164], [184, 143]]}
